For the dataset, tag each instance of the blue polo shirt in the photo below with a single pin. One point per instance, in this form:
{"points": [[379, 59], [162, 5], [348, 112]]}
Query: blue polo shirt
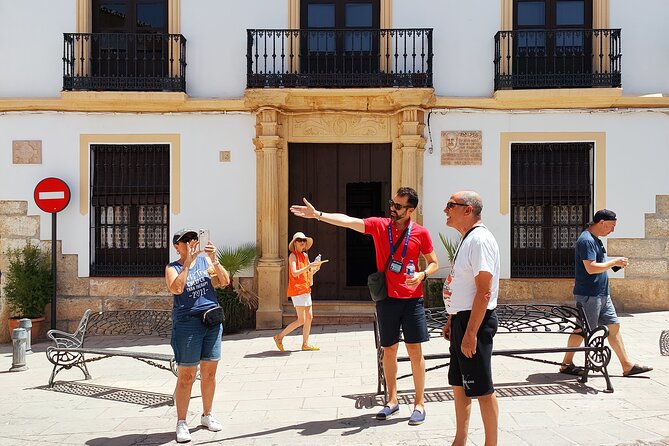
{"points": [[590, 247]]}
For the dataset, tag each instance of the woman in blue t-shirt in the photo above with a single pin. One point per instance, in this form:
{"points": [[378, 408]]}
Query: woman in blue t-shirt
{"points": [[192, 279]]}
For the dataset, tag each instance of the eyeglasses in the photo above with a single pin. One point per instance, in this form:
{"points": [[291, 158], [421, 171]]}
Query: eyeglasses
{"points": [[397, 206], [452, 204], [188, 238], [301, 240]]}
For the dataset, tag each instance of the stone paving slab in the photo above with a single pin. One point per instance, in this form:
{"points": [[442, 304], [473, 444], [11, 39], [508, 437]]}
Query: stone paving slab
{"points": [[265, 397]]}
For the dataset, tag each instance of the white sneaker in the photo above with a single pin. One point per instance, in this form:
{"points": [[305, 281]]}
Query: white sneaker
{"points": [[211, 423], [183, 434]]}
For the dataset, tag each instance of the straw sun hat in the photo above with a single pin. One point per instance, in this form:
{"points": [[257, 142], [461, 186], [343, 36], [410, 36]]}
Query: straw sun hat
{"points": [[291, 245]]}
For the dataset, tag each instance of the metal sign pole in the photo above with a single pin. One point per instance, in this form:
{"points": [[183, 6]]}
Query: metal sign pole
{"points": [[54, 272]]}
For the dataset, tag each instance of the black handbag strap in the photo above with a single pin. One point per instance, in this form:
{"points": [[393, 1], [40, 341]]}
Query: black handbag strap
{"points": [[397, 245]]}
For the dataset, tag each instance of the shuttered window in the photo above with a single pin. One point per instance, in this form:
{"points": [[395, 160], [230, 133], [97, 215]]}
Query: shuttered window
{"points": [[551, 201], [130, 209]]}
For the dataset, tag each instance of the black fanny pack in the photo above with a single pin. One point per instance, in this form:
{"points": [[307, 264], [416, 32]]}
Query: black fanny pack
{"points": [[213, 316]]}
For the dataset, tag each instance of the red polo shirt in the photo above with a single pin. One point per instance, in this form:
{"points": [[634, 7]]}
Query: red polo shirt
{"points": [[419, 242]]}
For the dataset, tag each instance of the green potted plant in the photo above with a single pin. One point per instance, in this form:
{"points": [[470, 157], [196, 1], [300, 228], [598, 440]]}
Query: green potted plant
{"points": [[29, 286], [239, 304], [435, 286]]}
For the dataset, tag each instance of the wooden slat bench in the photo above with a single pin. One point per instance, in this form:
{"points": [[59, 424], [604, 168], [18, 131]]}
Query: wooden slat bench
{"points": [[69, 349], [520, 318]]}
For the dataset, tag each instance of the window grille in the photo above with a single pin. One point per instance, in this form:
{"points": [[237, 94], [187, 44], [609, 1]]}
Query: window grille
{"points": [[551, 201], [130, 218]]}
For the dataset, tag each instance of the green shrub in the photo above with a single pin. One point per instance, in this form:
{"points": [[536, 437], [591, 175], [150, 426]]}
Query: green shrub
{"points": [[29, 285], [434, 293], [239, 304]]}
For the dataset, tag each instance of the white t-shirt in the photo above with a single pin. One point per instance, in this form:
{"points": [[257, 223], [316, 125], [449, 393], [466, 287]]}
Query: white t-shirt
{"points": [[478, 252]]}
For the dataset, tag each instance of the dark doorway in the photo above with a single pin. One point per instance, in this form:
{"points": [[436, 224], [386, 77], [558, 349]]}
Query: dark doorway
{"points": [[553, 40], [348, 178], [339, 36], [130, 38]]}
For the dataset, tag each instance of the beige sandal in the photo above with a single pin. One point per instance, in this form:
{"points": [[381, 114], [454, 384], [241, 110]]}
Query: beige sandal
{"points": [[279, 344], [309, 348]]}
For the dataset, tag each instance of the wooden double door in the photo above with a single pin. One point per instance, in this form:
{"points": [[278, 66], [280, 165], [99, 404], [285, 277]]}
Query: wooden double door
{"points": [[354, 179]]}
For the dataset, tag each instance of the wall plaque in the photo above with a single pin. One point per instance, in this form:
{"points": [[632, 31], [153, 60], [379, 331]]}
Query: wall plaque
{"points": [[461, 147], [27, 151]]}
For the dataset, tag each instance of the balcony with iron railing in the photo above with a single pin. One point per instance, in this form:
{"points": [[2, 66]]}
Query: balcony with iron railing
{"points": [[339, 58], [124, 62], [569, 58]]}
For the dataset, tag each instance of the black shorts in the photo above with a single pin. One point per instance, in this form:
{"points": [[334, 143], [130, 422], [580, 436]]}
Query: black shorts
{"points": [[473, 374], [407, 314]]}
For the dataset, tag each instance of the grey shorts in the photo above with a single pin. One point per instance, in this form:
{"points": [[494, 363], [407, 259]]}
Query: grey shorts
{"points": [[599, 310]]}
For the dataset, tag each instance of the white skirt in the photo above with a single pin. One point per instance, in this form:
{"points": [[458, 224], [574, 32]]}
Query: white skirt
{"points": [[303, 300]]}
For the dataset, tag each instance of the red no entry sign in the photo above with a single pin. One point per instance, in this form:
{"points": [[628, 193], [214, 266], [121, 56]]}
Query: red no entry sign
{"points": [[52, 195]]}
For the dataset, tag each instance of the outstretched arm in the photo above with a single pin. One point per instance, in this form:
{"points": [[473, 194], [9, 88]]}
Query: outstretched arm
{"points": [[342, 220]]}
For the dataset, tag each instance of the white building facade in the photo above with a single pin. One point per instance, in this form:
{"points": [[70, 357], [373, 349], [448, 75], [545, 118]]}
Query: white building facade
{"points": [[166, 114]]}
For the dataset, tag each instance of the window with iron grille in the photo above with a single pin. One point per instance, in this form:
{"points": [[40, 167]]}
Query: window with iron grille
{"points": [[551, 201], [130, 216]]}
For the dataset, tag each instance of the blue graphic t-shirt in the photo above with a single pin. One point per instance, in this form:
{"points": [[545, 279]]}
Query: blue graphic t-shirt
{"points": [[199, 294]]}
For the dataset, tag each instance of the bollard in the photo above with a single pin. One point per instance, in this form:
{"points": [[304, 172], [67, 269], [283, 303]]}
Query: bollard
{"points": [[19, 337], [28, 325]]}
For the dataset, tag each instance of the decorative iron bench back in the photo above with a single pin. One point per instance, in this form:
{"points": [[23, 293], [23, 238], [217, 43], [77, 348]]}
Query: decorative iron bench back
{"points": [[521, 318], [130, 322]]}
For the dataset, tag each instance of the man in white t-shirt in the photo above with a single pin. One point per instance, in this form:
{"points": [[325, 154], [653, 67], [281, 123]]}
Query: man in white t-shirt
{"points": [[472, 321]]}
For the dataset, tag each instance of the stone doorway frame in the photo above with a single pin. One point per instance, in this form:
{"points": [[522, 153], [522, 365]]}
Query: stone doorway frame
{"points": [[395, 116]]}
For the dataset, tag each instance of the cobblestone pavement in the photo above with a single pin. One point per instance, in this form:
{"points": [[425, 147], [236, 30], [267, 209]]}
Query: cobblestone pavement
{"points": [[327, 397]]}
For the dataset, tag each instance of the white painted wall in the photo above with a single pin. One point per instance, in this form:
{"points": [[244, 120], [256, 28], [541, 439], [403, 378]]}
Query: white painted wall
{"points": [[31, 41], [645, 46], [216, 42], [463, 41], [31, 46], [637, 156], [220, 196]]}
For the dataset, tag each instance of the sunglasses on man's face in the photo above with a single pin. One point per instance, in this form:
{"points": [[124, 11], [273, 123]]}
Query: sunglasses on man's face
{"points": [[301, 240], [452, 204], [397, 206], [188, 238]]}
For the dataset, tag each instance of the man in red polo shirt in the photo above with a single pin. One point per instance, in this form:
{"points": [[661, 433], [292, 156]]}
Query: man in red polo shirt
{"points": [[403, 308]]}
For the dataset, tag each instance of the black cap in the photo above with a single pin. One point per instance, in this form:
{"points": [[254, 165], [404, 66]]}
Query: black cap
{"points": [[603, 214], [183, 232]]}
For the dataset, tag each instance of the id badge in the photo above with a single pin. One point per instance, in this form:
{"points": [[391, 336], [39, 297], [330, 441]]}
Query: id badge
{"points": [[395, 266]]}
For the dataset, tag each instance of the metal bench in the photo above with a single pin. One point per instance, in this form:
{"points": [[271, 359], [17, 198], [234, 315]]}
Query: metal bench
{"points": [[519, 318], [664, 343], [69, 351]]}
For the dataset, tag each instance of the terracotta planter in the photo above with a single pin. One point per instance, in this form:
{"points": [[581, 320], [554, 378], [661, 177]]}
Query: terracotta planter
{"points": [[35, 331]]}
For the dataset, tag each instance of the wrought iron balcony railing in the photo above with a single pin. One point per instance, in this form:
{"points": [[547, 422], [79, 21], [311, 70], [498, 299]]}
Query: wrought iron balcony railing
{"points": [[124, 62], [339, 58], [569, 58]]}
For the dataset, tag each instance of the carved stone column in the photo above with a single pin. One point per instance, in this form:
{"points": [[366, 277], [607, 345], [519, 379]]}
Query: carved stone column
{"points": [[270, 265], [412, 141]]}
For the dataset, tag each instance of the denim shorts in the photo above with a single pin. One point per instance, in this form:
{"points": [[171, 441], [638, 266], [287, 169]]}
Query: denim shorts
{"points": [[192, 341], [599, 310]]}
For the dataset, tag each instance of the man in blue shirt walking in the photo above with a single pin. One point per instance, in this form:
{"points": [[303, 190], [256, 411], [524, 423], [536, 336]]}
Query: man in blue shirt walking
{"points": [[591, 290]]}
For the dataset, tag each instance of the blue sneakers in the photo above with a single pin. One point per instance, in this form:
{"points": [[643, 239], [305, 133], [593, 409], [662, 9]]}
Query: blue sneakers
{"points": [[387, 412], [417, 417]]}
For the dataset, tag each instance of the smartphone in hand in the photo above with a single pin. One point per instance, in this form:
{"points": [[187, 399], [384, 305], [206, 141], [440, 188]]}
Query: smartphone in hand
{"points": [[203, 237]]}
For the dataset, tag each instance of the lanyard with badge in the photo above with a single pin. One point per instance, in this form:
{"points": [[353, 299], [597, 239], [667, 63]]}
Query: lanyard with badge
{"points": [[446, 290], [396, 266]]}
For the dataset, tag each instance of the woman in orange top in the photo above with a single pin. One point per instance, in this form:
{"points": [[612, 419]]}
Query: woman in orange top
{"points": [[300, 279]]}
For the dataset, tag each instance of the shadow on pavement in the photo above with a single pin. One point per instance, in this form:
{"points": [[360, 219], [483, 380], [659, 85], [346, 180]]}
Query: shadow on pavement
{"points": [[268, 354], [133, 439], [350, 426], [140, 397]]}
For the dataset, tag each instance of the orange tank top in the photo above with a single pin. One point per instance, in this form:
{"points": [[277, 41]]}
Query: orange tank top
{"points": [[299, 284]]}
